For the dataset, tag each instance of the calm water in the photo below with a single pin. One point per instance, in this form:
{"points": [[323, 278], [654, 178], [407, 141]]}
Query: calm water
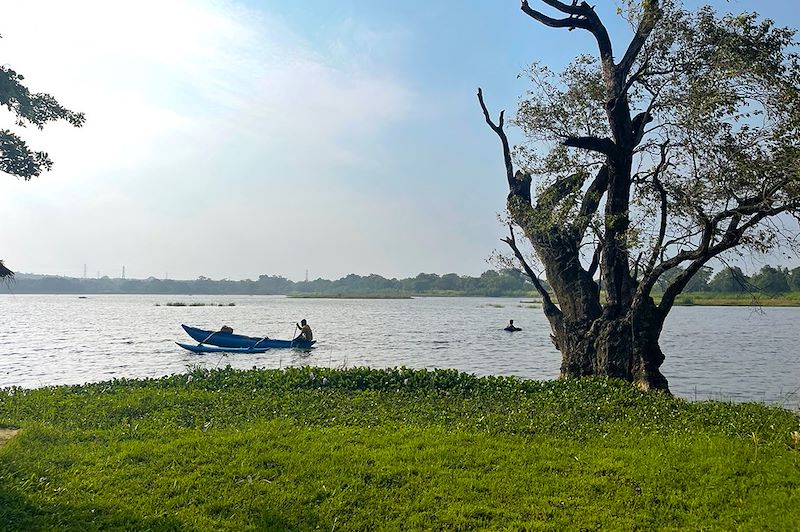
{"points": [[738, 354]]}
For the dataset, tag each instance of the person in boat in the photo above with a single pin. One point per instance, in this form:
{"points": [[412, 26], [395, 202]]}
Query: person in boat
{"points": [[511, 327], [305, 331]]}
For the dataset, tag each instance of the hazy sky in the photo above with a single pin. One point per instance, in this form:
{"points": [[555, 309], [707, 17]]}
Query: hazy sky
{"points": [[234, 138]]}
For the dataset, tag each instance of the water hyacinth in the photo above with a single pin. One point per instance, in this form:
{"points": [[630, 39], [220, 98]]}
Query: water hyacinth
{"points": [[399, 447]]}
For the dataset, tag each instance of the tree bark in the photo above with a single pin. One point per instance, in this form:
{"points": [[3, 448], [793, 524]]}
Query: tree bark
{"points": [[618, 339], [594, 340], [625, 347]]}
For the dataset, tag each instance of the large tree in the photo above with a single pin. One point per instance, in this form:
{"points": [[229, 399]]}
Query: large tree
{"points": [[681, 149], [28, 108]]}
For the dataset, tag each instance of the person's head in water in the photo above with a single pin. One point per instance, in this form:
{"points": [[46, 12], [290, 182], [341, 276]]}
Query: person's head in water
{"points": [[511, 322]]}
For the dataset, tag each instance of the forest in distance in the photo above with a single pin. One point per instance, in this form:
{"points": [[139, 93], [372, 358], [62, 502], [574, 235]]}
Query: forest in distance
{"points": [[492, 283]]}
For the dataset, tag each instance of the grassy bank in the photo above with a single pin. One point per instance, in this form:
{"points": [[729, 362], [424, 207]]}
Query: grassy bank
{"points": [[787, 299], [397, 449]]}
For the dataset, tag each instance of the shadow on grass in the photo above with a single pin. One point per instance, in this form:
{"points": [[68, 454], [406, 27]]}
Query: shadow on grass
{"points": [[20, 512]]}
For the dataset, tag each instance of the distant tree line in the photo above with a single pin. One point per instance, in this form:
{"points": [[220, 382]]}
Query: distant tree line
{"points": [[511, 282], [770, 280]]}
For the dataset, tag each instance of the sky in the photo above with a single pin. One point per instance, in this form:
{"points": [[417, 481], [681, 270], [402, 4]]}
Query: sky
{"points": [[232, 138]]}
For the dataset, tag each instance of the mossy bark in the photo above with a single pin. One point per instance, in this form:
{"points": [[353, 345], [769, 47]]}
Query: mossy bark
{"points": [[619, 339], [626, 347]]}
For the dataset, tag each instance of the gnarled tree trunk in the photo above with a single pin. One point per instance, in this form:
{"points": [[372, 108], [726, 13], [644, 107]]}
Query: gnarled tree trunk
{"points": [[618, 338], [597, 340], [701, 176]]}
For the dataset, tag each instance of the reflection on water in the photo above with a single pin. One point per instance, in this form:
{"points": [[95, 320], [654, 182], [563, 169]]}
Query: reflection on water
{"points": [[712, 352]]}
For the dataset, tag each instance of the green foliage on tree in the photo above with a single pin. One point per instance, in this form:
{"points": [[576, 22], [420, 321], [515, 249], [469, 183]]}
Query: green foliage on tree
{"points": [[29, 108], [36, 109], [666, 153]]}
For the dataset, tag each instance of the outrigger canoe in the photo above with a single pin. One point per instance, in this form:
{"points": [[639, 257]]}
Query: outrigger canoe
{"points": [[201, 348], [230, 340]]}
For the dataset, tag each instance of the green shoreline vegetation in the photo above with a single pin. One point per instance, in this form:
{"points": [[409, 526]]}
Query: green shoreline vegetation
{"points": [[771, 287], [360, 449], [755, 299]]}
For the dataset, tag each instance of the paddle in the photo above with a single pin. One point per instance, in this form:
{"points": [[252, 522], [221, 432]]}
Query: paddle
{"points": [[207, 337], [296, 339], [256, 344]]}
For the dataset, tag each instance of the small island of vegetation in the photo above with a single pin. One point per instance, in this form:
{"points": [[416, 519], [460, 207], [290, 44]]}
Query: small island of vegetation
{"points": [[318, 295]]}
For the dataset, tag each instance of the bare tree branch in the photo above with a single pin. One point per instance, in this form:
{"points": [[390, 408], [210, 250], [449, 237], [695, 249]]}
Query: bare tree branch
{"points": [[581, 16], [551, 311], [605, 146], [498, 129], [650, 17], [732, 238], [679, 283], [662, 193], [595, 260], [519, 184], [570, 9], [638, 124], [570, 22], [591, 201]]}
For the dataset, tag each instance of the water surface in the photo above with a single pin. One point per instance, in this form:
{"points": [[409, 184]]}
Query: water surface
{"points": [[729, 353]]}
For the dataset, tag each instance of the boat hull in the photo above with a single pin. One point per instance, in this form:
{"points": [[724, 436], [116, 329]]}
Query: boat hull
{"points": [[223, 339], [202, 348]]}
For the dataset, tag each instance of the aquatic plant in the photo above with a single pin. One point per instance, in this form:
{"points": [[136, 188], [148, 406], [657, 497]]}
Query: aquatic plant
{"points": [[310, 447]]}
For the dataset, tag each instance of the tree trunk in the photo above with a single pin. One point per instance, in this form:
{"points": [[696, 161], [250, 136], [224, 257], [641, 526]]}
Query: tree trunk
{"points": [[619, 340], [624, 347]]}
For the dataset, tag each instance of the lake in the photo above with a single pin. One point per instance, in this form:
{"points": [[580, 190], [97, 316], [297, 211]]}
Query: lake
{"points": [[725, 353]]}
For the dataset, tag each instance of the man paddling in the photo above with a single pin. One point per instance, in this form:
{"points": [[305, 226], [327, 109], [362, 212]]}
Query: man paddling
{"points": [[511, 327], [305, 331]]}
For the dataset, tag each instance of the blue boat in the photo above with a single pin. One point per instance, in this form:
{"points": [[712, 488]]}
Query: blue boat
{"points": [[202, 348], [225, 339]]}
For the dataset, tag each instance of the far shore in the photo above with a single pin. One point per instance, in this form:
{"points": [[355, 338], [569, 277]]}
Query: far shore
{"points": [[699, 299], [711, 299]]}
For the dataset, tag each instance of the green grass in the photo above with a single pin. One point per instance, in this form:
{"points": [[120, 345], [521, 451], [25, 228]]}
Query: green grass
{"points": [[311, 448], [788, 299]]}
